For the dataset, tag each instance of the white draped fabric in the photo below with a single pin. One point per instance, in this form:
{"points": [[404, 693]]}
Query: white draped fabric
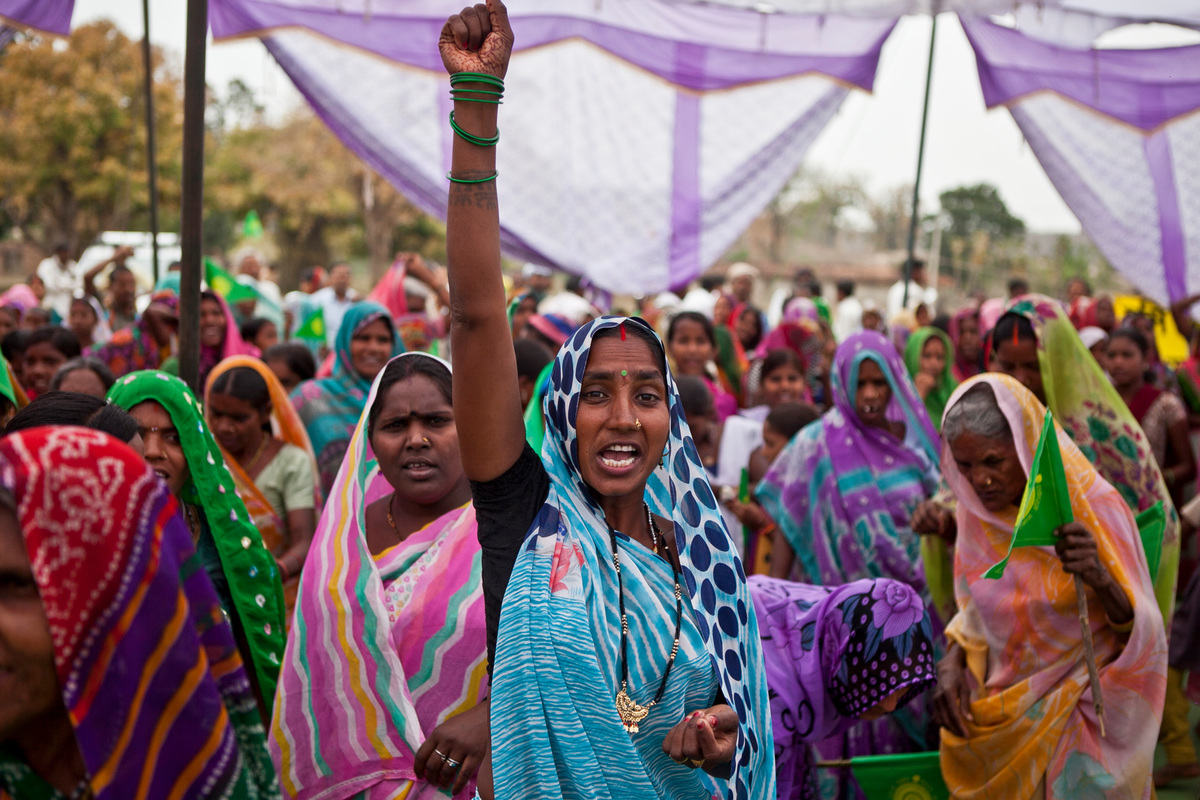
{"points": [[642, 136], [1118, 134], [634, 151]]}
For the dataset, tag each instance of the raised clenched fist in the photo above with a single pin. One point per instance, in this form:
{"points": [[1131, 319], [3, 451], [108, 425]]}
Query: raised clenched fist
{"points": [[478, 39]]}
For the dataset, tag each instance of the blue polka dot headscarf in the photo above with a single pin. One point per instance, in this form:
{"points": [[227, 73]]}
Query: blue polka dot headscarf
{"points": [[712, 576]]}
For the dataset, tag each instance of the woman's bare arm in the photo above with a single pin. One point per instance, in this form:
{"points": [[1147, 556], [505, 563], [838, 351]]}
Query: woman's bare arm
{"points": [[487, 400]]}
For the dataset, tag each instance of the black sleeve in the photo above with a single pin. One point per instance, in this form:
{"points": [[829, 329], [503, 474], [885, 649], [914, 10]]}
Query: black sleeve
{"points": [[505, 508]]}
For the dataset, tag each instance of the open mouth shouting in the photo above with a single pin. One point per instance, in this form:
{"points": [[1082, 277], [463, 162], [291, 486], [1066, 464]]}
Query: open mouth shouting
{"points": [[619, 458]]}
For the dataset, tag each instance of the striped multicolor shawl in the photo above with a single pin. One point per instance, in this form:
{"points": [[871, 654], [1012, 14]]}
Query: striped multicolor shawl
{"points": [[382, 649]]}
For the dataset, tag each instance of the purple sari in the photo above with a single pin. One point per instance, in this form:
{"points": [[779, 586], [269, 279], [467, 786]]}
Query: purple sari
{"points": [[830, 654], [842, 491]]}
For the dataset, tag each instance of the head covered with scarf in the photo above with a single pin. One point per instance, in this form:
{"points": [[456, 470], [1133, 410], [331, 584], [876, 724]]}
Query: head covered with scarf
{"points": [[231, 345], [1034, 722], [238, 562], [146, 661], [398, 637], [1087, 406], [330, 407], [963, 366], [560, 630], [135, 348], [843, 491], [831, 654], [935, 401]]}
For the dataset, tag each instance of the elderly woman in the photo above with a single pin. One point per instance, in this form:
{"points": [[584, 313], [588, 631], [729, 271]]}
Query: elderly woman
{"points": [[1013, 693], [120, 676], [627, 662], [1035, 342]]}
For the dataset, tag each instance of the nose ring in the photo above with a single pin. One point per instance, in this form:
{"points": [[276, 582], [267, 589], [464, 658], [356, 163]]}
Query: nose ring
{"points": [[425, 440], [987, 482], [637, 423]]}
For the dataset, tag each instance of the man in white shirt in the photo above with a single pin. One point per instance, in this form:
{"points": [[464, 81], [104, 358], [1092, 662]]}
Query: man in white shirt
{"points": [[918, 293], [336, 299], [847, 317], [61, 276]]}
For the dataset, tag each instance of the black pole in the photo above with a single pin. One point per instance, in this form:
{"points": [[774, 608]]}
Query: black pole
{"points": [[910, 262], [192, 203], [151, 150]]}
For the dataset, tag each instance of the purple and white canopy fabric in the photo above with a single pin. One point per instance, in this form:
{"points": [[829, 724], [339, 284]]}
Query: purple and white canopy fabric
{"points": [[1118, 134], [47, 16], [638, 139], [642, 136]]}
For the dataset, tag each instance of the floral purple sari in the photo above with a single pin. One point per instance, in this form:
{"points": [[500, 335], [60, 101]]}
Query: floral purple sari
{"points": [[830, 654]]}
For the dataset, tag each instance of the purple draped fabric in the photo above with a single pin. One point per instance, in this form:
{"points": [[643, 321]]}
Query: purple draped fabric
{"points": [[705, 49], [1145, 88], [830, 654], [693, 118], [49, 16], [1116, 132]]}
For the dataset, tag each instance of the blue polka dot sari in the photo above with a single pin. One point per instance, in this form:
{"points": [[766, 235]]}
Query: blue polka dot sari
{"points": [[555, 728]]}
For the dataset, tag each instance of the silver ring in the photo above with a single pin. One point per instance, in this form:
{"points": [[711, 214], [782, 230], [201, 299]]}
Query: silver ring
{"points": [[440, 753], [451, 762]]}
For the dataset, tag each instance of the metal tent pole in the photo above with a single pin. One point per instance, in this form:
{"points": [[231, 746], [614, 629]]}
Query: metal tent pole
{"points": [[192, 204], [151, 150], [916, 200]]}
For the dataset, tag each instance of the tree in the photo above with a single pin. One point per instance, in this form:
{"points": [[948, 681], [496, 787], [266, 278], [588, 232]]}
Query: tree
{"points": [[975, 210], [810, 206], [890, 214], [73, 138], [318, 199]]}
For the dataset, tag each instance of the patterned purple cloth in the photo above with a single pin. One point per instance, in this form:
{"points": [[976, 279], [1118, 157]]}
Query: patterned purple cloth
{"points": [[830, 654], [842, 491]]}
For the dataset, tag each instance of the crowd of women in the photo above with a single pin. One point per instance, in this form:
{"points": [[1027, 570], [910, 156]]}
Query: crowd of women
{"points": [[588, 561]]}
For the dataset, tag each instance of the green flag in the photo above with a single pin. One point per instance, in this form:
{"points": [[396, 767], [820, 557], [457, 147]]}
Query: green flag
{"points": [[1046, 504], [313, 328], [911, 776], [226, 285], [252, 226], [1152, 523], [1189, 390]]}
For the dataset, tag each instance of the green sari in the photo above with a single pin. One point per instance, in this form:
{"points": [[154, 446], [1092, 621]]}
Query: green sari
{"points": [[935, 401], [240, 566]]}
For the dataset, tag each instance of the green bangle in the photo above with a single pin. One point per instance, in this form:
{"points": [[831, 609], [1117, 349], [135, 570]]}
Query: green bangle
{"points": [[453, 179], [471, 138], [479, 91], [476, 77], [475, 100]]}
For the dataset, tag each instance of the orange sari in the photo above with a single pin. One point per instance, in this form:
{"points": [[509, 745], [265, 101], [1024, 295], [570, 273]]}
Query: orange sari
{"points": [[285, 426], [1034, 731]]}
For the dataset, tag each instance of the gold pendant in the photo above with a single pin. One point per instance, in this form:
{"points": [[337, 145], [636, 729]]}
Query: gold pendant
{"points": [[630, 712]]}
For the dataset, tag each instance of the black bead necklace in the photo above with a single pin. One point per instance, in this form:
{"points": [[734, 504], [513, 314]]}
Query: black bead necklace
{"points": [[631, 712]]}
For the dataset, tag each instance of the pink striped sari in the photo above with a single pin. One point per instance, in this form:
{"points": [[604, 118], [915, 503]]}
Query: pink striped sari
{"points": [[382, 649]]}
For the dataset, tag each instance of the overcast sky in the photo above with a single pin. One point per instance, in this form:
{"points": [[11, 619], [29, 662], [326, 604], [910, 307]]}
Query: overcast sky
{"points": [[874, 136]]}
